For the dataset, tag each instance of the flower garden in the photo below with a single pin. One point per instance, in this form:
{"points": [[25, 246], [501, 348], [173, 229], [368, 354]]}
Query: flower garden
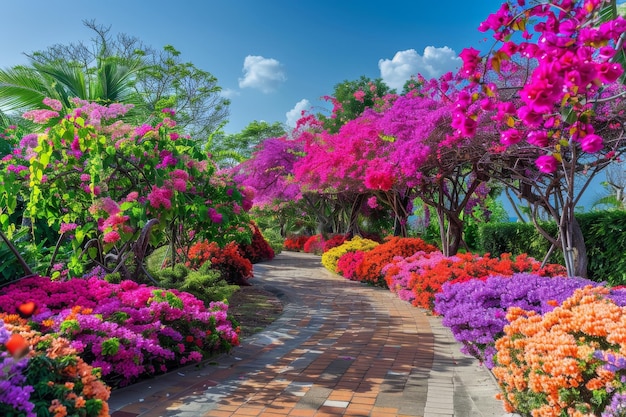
{"points": [[554, 343], [123, 236]]}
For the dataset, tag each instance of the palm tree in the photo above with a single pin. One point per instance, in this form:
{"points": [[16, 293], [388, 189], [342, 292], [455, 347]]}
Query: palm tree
{"points": [[24, 87], [616, 185]]}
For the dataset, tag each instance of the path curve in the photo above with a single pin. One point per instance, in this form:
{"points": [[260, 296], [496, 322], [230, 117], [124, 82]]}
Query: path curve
{"points": [[340, 348]]}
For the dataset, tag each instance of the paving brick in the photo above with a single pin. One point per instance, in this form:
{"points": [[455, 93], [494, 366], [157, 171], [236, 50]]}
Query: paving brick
{"points": [[340, 348]]}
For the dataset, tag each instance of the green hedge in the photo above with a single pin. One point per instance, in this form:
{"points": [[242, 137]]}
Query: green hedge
{"points": [[604, 237]]}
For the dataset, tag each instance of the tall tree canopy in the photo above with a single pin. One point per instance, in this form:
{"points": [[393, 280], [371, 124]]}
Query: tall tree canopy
{"points": [[117, 69]]}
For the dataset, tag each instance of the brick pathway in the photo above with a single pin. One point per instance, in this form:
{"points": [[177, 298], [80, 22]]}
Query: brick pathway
{"points": [[340, 349]]}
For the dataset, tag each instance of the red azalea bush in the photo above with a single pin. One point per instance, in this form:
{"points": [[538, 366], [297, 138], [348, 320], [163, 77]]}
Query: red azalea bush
{"points": [[348, 264], [370, 269], [334, 241], [259, 249], [235, 269], [314, 244], [427, 279], [295, 243]]}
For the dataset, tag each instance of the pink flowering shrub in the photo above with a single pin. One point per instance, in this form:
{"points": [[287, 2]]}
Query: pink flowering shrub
{"points": [[348, 264], [110, 180], [400, 271], [128, 330]]}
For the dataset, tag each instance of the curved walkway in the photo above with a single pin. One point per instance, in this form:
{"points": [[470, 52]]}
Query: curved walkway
{"points": [[340, 349]]}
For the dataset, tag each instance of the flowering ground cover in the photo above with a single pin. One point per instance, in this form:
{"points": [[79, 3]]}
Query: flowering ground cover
{"points": [[51, 379], [331, 256], [569, 361], [127, 330], [505, 310], [475, 310]]}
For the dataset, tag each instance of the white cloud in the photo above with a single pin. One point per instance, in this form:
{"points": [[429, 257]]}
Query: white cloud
{"points": [[294, 114], [432, 64], [229, 93], [264, 74]]}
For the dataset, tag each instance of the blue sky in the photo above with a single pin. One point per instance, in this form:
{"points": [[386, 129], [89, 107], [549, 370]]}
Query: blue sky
{"points": [[271, 56]]}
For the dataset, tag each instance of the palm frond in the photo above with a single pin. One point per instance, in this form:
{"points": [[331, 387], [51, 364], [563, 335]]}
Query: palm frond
{"points": [[21, 88], [115, 80], [67, 80], [610, 201]]}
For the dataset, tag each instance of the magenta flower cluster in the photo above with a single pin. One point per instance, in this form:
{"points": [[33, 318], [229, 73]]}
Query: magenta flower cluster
{"points": [[405, 268], [129, 330]]}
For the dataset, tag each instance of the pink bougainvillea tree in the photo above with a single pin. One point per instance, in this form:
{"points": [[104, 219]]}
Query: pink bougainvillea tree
{"points": [[431, 164], [562, 122], [338, 165]]}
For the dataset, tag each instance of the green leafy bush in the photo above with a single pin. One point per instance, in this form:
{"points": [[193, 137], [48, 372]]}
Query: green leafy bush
{"points": [[603, 232], [205, 283], [274, 238]]}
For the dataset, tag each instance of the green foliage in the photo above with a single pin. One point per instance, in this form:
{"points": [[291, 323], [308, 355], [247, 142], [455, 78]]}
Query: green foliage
{"points": [[514, 238], [347, 107], [110, 346], [69, 326], [10, 268], [274, 238], [603, 232], [492, 212], [170, 298], [605, 237], [285, 218], [114, 278], [204, 283], [233, 148]]}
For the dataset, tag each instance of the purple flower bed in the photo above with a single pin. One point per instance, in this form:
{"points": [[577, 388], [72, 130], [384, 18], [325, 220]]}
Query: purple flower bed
{"points": [[475, 310], [13, 389]]}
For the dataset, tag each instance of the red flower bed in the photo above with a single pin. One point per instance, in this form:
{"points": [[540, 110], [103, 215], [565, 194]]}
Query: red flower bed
{"points": [[334, 241], [314, 244], [370, 269], [427, 281], [295, 243], [234, 268], [259, 250]]}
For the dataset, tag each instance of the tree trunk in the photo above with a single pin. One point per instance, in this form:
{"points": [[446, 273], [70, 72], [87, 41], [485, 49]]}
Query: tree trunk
{"points": [[580, 250], [353, 222], [443, 233], [455, 236]]}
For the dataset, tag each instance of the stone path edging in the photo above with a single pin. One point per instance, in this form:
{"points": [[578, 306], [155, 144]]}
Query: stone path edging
{"points": [[340, 348]]}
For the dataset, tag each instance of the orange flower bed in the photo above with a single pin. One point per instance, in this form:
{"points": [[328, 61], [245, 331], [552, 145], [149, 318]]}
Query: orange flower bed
{"points": [[370, 269], [570, 361]]}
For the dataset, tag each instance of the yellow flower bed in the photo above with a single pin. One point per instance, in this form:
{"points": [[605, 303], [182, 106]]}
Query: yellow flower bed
{"points": [[357, 243]]}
